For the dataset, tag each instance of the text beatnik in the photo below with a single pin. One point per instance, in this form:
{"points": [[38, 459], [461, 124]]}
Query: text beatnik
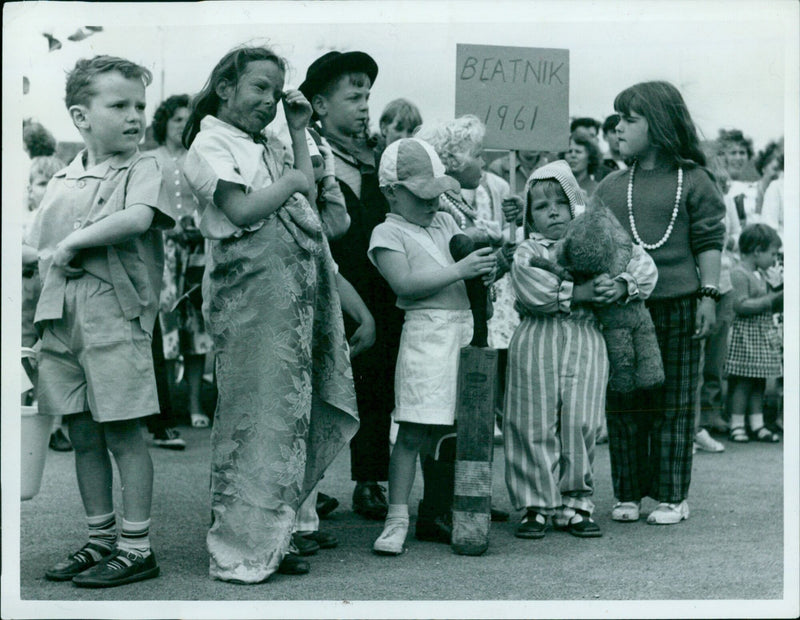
{"points": [[511, 70]]}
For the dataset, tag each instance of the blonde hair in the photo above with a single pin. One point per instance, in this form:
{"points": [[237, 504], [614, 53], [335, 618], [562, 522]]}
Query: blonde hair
{"points": [[454, 141]]}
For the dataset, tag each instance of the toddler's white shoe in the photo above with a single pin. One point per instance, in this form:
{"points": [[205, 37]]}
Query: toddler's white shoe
{"points": [[669, 514], [391, 540], [626, 511], [704, 441]]}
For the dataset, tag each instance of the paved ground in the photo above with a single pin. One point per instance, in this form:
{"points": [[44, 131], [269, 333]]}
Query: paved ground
{"points": [[732, 547]]}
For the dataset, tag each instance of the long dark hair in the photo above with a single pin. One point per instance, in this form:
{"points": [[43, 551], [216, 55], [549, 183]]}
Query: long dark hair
{"points": [[229, 69], [670, 126]]}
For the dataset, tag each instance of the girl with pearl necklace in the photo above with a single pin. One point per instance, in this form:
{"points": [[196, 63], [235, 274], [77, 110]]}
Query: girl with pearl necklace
{"points": [[670, 205]]}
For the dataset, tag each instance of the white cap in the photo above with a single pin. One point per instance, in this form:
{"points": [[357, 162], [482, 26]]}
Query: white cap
{"points": [[414, 164]]}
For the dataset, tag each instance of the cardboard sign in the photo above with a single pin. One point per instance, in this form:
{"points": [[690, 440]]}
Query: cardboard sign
{"points": [[520, 93]]}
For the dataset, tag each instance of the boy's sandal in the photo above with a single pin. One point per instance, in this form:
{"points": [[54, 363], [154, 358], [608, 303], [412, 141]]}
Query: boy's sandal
{"points": [[739, 434], [765, 435]]}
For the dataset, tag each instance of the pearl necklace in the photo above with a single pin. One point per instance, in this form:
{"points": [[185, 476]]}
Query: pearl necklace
{"points": [[663, 240], [460, 210]]}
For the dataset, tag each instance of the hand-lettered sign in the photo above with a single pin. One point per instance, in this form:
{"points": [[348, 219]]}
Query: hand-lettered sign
{"points": [[520, 93]]}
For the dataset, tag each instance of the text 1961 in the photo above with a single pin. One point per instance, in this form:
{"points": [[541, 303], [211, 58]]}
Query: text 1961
{"points": [[521, 118]]}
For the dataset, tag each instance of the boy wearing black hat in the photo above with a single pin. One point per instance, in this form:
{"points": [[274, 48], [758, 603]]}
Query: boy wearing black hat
{"points": [[337, 85]]}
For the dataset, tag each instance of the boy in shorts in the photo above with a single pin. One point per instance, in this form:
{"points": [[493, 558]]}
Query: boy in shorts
{"points": [[100, 260]]}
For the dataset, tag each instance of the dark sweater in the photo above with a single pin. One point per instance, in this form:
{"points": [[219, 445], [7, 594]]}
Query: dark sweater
{"points": [[698, 228]]}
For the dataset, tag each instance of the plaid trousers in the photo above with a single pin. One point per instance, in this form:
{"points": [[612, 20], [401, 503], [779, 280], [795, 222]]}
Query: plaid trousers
{"points": [[651, 432]]}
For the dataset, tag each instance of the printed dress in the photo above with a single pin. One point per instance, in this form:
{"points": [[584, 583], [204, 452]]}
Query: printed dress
{"points": [[755, 347], [286, 403]]}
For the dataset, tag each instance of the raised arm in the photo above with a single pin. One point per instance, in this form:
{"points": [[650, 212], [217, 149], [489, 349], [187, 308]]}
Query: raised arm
{"points": [[244, 209]]}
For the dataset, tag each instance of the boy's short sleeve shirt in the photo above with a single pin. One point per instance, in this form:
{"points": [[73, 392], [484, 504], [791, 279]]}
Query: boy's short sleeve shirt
{"points": [[222, 152], [426, 249], [78, 197]]}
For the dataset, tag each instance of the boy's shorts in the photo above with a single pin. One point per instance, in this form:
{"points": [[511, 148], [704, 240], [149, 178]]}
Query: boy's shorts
{"points": [[93, 359]]}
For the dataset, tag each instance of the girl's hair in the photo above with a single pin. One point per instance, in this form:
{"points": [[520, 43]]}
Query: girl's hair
{"points": [[46, 165], [407, 112], [229, 69], [670, 126], [592, 150], [728, 137], [164, 112], [80, 81], [772, 151], [38, 142], [758, 237], [454, 141]]}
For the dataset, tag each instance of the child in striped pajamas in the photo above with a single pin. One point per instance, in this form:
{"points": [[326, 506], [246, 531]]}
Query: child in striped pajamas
{"points": [[558, 365]]}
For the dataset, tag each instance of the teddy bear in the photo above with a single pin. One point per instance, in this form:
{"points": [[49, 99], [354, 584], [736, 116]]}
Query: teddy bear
{"points": [[596, 243]]}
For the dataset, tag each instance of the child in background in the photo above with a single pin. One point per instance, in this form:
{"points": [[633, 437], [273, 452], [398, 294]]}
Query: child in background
{"points": [[42, 170], [399, 119], [558, 365], [100, 260], [411, 251], [668, 203], [286, 402], [754, 354]]}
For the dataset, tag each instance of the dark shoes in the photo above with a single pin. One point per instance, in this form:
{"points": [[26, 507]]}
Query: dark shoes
{"points": [[323, 540], [582, 525], [59, 441], [433, 527], [119, 568], [533, 525], [305, 546], [369, 501], [169, 438], [293, 564], [89, 555], [326, 505]]}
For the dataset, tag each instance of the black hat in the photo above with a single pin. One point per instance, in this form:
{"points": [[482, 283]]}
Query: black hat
{"points": [[332, 65]]}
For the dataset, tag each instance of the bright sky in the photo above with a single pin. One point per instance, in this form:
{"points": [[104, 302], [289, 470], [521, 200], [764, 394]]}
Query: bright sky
{"points": [[728, 59]]}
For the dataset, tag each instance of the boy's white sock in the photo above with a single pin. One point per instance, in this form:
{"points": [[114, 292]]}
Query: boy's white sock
{"points": [[737, 420], [135, 537], [103, 530]]}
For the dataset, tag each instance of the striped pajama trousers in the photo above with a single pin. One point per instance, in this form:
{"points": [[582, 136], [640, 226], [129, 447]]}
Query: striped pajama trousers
{"points": [[651, 432], [555, 397]]}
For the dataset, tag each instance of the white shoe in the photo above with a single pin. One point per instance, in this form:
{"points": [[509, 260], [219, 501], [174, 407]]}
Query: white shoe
{"points": [[669, 514], [704, 441], [626, 511], [391, 540]]}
